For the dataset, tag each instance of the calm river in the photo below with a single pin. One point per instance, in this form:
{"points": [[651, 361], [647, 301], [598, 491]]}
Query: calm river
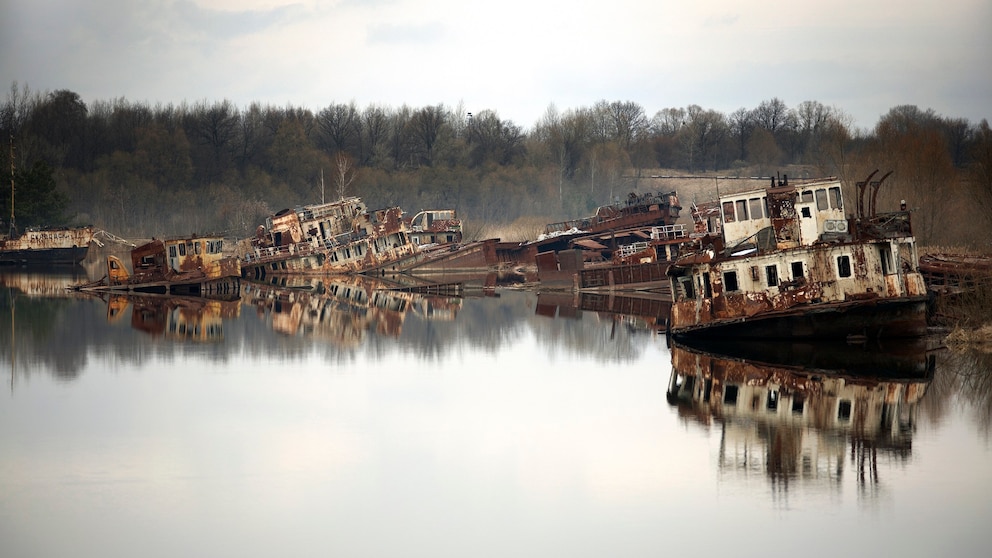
{"points": [[339, 421]]}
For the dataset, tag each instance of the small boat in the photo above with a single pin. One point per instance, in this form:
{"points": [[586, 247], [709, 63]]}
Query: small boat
{"points": [[188, 266], [785, 262]]}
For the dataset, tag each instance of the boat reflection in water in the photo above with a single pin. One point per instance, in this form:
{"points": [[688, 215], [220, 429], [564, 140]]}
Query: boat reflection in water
{"points": [[798, 412], [341, 309], [174, 318], [639, 310]]}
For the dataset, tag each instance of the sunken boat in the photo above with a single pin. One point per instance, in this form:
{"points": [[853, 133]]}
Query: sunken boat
{"points": [[189, 266], [44, 247], [340, 237], [785, 262]]}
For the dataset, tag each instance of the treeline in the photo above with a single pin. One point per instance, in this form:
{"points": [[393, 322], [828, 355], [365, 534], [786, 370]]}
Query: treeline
{"points": [[139, 170]]}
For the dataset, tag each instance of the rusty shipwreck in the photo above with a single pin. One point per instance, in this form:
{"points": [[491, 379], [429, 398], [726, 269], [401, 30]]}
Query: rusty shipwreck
{"points": [[340, 237], [40, 247], [787, 263], [189, 266], [624, 246]]}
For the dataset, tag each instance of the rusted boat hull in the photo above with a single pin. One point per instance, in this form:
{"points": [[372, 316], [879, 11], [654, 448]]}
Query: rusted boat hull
{"points": [[47, 247], [567, 270], [876, 319], [50, 256], [300, 260], [793, 267], [956, 273], [193, 266], [646, 276]]}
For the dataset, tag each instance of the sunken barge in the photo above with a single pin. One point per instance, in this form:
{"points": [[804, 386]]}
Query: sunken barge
{"points": [[43, 247]]}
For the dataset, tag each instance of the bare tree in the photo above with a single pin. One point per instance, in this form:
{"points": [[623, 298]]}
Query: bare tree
{"points": [[771, 115], [979, 173], [741, 123], [374, 131], [345, 173], [426, 126], [340, 128]]}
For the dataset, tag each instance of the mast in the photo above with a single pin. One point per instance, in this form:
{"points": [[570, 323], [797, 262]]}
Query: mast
{"points": [[13, 228]]}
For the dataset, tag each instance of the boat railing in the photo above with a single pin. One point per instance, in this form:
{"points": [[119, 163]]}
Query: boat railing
{"points": [[633, 248], [668, 232], [263, 255], [889, 225]]}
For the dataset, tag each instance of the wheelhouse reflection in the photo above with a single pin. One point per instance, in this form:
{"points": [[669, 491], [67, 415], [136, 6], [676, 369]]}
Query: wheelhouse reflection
{"points": [[801, 412]]}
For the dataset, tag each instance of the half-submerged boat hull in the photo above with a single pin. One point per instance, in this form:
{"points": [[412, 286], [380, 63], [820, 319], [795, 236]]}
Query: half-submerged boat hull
{"points": [[47, 247], [787, 264], [904, 317]]}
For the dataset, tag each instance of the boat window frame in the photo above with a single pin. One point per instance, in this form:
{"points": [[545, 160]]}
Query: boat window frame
{"points": [[821, 199], [754, 207], [731, 283], [742, 210], [836, 199], [844, 270], [771, 275], [728, 217], [801, 266]]}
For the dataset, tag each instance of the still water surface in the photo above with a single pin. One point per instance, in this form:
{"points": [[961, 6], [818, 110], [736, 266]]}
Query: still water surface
{"points": [[349, 423]]}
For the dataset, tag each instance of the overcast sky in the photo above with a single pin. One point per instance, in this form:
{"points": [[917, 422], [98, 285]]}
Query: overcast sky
{"points": [[515, 57]]}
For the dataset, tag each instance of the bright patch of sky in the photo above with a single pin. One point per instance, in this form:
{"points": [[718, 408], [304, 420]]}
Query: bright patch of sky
{"points": [[515, 57]]}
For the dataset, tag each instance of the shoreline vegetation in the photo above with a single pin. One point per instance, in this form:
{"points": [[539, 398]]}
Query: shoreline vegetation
{"points": [[214, 167]]}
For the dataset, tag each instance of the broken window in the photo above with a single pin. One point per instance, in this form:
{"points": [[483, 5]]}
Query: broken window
{"points": [[742, 210], [754, 206], [685, 283], [885, 255], [844, 266], [730, 281], [182, 249], [771, 275], [728, 212], [836, 201], [772, 403], [797, 270], [821, 200]]}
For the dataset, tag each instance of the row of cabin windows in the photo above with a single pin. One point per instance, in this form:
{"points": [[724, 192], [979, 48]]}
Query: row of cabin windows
{"points": [[825, 198], [213, 247], [731, 393], [757, 208], [731, 283]]}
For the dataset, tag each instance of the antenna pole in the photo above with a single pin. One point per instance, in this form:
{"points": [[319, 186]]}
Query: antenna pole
{"points": [[13, 228]]}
